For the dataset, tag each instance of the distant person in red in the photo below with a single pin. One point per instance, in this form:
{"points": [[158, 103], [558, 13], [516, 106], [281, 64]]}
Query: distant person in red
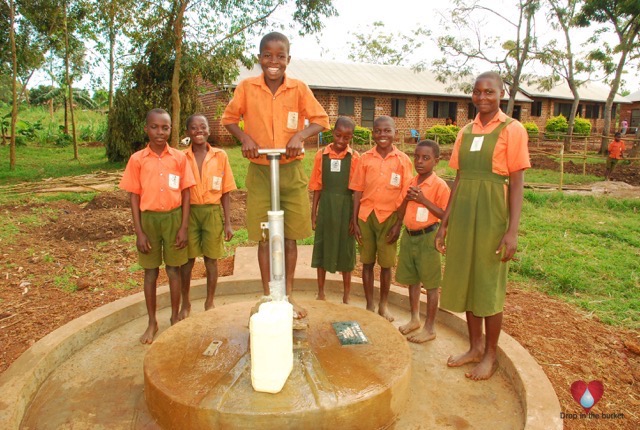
{"points": [[624, 125], [616, 150]]}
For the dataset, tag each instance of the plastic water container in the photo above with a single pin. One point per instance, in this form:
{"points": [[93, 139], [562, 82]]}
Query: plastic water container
{"points": [[271, 340]]}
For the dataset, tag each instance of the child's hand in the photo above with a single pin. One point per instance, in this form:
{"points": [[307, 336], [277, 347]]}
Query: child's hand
{"points": [[394, 233], [356, 232], [143, 244], [509, 243], [313, 222], [295, 146], [249, 148], [181, 238], [439, 240], [228, 233]]}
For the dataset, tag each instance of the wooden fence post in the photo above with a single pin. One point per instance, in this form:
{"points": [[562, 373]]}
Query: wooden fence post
{"points": [[561, 165], [584, 162]]}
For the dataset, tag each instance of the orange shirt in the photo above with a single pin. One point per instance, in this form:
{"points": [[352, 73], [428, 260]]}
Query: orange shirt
{"points": [[511, 152], [381, 181], [436, 190], [272, 119], [615, 149], [159, 180], [216, 178], [315, 183]]}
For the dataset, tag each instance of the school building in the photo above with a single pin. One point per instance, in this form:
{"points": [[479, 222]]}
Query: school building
{"points": [[631, 112], [416, 100]]}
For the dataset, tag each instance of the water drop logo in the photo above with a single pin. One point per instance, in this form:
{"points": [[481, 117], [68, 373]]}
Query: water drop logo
{"points": [[587, 395]]}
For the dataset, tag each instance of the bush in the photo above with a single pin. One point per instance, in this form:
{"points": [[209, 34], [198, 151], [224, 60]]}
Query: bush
{"points": [[86, 133], [361, 136], [556, 127], [443, 134], [532, 128], [63, 139], [582, 127]]}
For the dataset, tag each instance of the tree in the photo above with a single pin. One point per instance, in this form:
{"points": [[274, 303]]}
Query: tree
{"points": [[14, 91], [375, 46], [461, 54], [562, 60], [624, 17], [216, 39]]}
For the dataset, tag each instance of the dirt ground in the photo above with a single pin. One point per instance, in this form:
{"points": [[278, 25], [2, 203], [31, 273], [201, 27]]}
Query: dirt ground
{"points": [[67, 259]]}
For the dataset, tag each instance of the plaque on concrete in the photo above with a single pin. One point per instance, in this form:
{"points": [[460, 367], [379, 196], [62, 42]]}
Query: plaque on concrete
{"points": [[349, 333]]}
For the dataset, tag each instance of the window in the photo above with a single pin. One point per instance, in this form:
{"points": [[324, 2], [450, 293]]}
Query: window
{"points": [[346, 105], [562, 108], [472, 111], [536, 109], [399, 107], [436, 109], [592, 111]]}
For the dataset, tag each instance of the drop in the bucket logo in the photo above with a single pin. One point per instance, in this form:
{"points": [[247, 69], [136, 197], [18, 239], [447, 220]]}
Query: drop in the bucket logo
{"points": [[587, 395]]}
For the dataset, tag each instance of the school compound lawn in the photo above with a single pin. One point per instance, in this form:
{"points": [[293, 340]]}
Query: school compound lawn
{"points": [[573, 300]]}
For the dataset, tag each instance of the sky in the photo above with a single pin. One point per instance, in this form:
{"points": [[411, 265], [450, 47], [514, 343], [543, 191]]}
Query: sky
{"points": [[404, 16]]}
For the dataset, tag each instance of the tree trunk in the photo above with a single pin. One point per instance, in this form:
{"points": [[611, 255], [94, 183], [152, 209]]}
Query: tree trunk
{"points": [[112, 44], [66, 112], [572, 118], [175, 80], [14, 89], [521, 58], [68, 78], [615, 84]]}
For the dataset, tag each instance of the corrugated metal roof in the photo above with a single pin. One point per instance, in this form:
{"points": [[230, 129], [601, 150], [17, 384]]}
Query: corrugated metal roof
{"points": [[333, 75], [634, 97], [590, 91]]}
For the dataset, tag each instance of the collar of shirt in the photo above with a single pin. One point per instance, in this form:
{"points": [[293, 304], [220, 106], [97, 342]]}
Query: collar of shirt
{"points": [[334, 155], [394, 152], [148, 152], [286, 83], [211, 151], [426, 183], [498, 117]]}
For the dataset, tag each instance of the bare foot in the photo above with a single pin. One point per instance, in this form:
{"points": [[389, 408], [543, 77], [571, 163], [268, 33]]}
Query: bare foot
{"points": [[345, 299], [320, 296], [174, 320], [208, 306], [412, 325], [148, 335], [385, 313], [184, 313], [424, 336], [483, 370], [298, 311], [371, 308], [471, 356]]}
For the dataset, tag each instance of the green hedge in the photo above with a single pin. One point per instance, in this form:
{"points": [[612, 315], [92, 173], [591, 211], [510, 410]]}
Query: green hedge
{"points": [[556, 127], [443, 134], [582, 127], [361, 136], [532, 128]]}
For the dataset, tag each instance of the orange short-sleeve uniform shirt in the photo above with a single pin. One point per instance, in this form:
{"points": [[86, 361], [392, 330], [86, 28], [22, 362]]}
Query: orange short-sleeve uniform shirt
{"points": [[315, 183], [216, 178], [158, 179], [381, 181], [436, 190], [272, 119], [615, 149], [511, 152]]}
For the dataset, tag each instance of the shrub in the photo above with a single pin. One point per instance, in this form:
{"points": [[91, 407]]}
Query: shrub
{"points": [[582, 127], [86, 133], [235, 139], [443, 134], [532, 128], [556, 127], [361, 136]]}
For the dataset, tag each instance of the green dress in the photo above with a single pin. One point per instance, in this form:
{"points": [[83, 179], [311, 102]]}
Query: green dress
{"points": [[474, 278], [334, 249]]}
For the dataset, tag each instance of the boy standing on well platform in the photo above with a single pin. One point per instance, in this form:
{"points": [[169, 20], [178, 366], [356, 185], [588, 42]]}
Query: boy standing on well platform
{"points": [[209, 224], [274, 108], [379, 179], [158, 180]]}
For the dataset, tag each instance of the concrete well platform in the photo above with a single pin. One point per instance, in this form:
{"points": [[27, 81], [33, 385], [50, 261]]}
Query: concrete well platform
{"points": [[88, 374]]}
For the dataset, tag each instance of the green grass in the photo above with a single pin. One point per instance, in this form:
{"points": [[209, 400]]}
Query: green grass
{"points": [[66, 281], [585, 250]]}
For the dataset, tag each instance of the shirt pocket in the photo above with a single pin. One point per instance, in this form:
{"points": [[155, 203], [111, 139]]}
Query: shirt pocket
{"points": [[291, 118], [174, 181]]}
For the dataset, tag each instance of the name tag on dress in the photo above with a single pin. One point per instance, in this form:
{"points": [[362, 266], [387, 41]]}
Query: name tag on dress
{"points": [[216, 183], [174, 181], [395, 180], [292, 120], [335, 165], [476, 145], [422, 214]]}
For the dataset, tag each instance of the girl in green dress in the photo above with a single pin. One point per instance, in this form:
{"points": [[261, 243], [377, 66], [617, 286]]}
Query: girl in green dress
{"points": [[481, 222], [334, 248]]}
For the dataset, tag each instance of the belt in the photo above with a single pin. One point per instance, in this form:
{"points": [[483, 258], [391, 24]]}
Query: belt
{"points": [[424, 230]]}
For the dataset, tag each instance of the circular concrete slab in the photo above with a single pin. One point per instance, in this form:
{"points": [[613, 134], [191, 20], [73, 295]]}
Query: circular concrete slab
{"points": [[331, 386]]}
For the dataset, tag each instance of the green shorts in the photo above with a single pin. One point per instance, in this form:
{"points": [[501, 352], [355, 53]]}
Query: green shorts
{"points": [[206, 231], [419, 261], [161, 229], [294, 200], [611, 163], [374, 241]]}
